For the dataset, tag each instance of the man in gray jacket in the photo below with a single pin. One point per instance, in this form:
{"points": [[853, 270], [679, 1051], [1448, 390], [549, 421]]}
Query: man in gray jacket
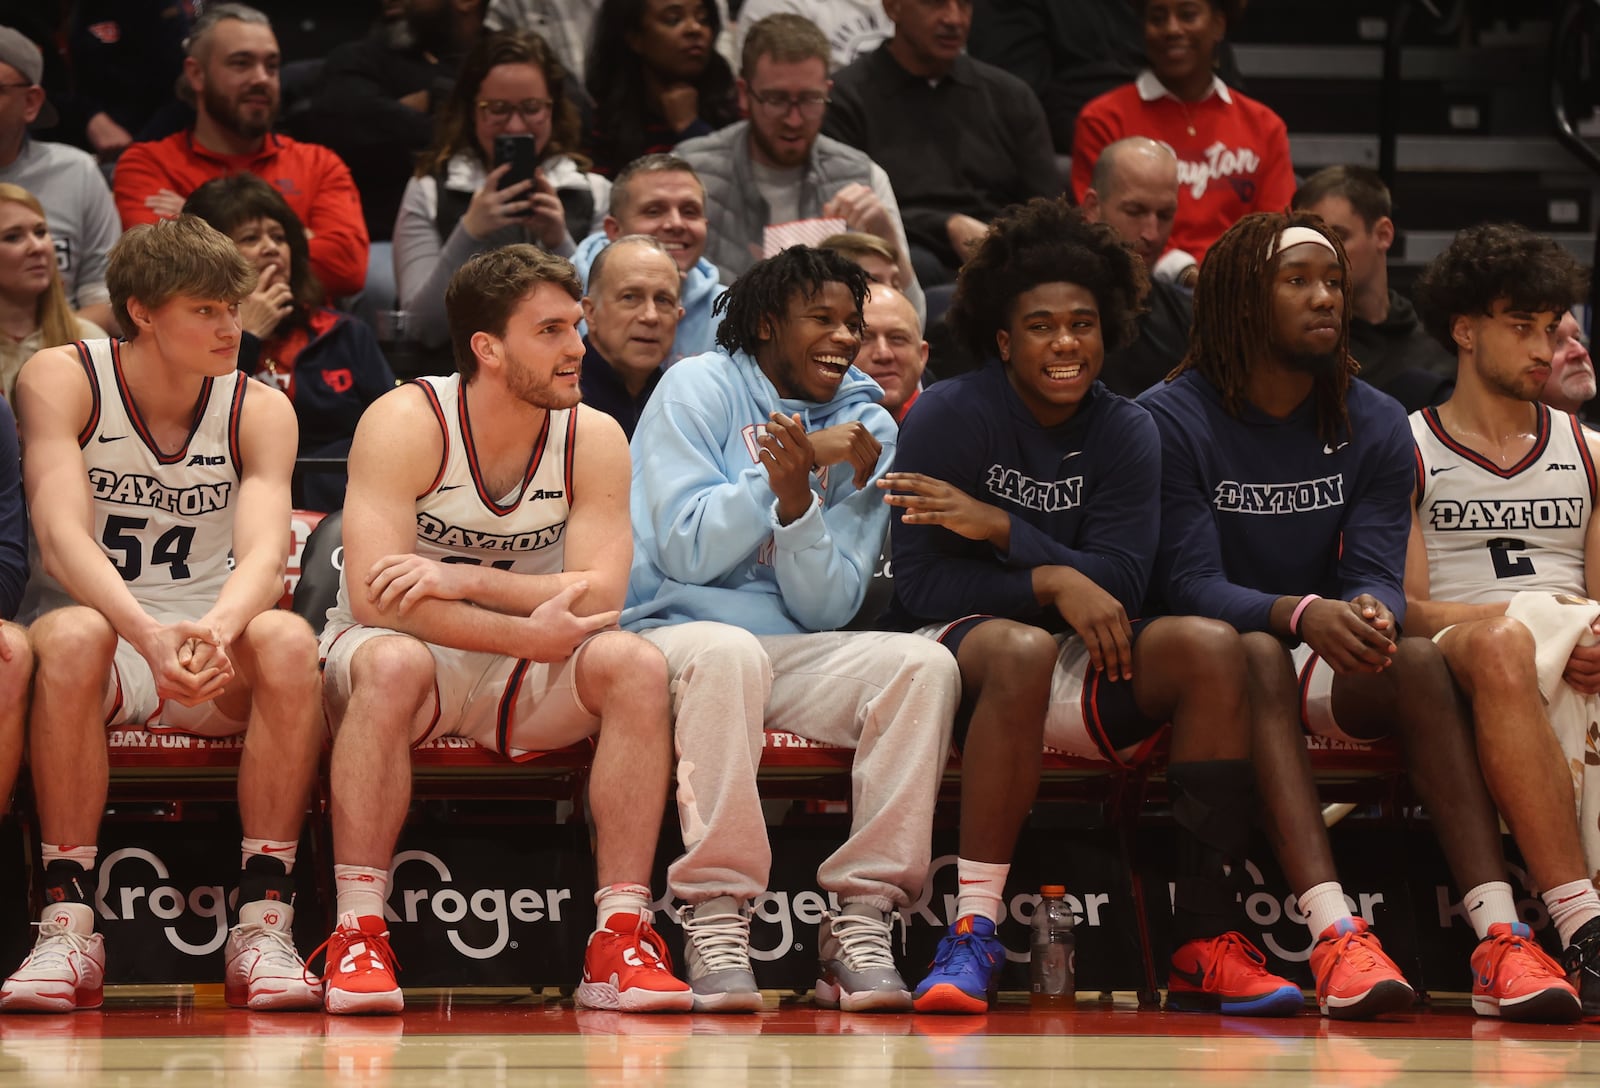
{"points": [[776, 167]]}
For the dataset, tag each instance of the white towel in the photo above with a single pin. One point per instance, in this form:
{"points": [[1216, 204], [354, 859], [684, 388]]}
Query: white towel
{"points": [[1559, 622]]}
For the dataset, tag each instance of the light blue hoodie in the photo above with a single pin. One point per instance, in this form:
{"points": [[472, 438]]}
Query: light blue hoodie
{"points": [[697, 329], [706, 540]]}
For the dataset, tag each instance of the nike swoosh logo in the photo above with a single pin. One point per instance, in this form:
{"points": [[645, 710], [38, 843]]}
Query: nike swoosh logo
{"points": [[267, 848], [1446, 468], [1074, 453], [1334, 449], [1193, 978], [448, 487], [980, 880], [111, 438]]}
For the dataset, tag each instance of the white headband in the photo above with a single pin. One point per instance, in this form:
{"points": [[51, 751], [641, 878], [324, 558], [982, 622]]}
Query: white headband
{"points": [[1294, 236]]}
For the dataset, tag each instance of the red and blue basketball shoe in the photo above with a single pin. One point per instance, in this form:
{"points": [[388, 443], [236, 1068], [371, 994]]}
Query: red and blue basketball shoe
{"points": [[1228, 974]]}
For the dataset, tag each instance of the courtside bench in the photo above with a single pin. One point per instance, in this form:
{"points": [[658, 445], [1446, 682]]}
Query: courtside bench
{"points": [[148, 766]]}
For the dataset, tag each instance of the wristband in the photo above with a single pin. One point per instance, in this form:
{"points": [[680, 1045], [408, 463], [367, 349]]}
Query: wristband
{"points": [[1299, 609]]}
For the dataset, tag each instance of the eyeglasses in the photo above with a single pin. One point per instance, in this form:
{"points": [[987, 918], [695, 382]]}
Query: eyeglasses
{"points": [[16, 86], [778, 103], [531, 109]]}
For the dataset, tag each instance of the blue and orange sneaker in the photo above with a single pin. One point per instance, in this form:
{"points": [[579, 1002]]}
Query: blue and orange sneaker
{"points": [[1356, 980], [965, 971], [1228, 974]]}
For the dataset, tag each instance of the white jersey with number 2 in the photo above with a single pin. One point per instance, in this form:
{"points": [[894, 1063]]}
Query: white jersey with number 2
{"points": [[1492, 532]]}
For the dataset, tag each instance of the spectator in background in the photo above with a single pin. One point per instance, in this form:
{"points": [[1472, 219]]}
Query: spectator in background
{"points": [[960, 139], [1068, 51], [232, 71], [328, 363], [1135, 192], [125, 56], [893, 352], [1233, 152], [66, 181], [655, 78], [776, 167], [1395, 352], [34, 313], [375, 103], [510, 85], [875, 256], [660, 195], [1571, 384], [567, 25], [631, 308], [853, 28]]}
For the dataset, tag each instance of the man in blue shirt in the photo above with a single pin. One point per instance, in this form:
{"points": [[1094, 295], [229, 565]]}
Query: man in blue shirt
{"points": [[1286, 506], [756, 528]]}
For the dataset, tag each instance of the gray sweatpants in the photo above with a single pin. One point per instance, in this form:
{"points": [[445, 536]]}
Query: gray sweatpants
{"points": [[891, 697]]}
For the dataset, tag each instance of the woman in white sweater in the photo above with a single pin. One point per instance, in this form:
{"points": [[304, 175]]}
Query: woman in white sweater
{"points": [[510, 84]]}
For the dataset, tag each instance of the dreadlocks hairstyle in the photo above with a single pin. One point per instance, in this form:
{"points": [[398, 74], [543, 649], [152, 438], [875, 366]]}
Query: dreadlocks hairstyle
{"points": [[1494, 261], [1232, 330], [763, 293], [1047, 241]]}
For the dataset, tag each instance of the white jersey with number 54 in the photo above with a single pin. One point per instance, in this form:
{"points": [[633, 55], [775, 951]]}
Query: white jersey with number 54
{"points": [[163, 518], [1492, 532]]}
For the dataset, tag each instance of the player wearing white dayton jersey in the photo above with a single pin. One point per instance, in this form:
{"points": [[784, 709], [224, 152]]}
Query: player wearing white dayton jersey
{"points": [[1505, 496], [147, 461], [487, 549]]}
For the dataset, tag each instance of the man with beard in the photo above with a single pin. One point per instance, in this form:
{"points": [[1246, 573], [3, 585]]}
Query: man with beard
{"points": [[486, 555], [1285, 508], [232, 71], [1502, 559], [777, 166]]}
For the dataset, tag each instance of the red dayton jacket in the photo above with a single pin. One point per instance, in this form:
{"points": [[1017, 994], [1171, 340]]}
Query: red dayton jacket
{"points": [[312, 180]]}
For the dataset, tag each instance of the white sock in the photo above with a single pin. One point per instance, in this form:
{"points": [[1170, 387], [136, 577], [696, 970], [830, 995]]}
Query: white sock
{"points": [[83, 855], [981, 888], [360, 890], [619, 899], [1487, 904], [1323, 905], [271, 848], [1570, 906]]}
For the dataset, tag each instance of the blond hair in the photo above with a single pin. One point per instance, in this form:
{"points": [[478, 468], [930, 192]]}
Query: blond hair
{"points": [[52, 313], [174, 258]]}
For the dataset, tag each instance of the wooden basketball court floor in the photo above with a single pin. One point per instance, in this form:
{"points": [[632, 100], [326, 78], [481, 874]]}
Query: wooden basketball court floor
{"points": [[183, 1037]]}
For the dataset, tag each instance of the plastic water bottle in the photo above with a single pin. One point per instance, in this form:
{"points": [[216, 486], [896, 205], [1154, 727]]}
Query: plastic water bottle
{"points": [[1053, 965]]}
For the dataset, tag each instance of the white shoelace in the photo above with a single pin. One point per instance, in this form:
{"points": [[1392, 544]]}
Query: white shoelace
{"points": [[722, 941], [56, 944], [864, 942], [277, 952]]}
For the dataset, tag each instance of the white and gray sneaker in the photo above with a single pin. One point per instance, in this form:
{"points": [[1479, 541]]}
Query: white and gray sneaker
{"points": [[263, 969], [716, 956], [857, 972]]}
